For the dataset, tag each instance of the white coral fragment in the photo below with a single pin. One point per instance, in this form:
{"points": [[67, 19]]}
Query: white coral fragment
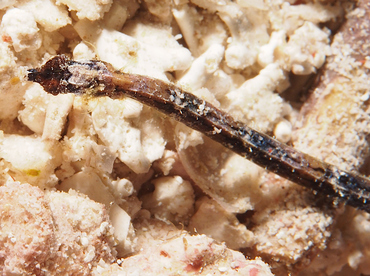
{"points": [[136, 145], [50, 16], [92, 9], [7, 3], [254, 101], [283, 131], [123, 230], [56, 116], [229, 179], [83, 52], [258, 4], [289, 17], [212, 220], [32, 159], [90, 184], [172, 199], [267, 51], [35, 104], [248, 32], [120, 137], [185, 20], [25, 153], [307, 49], [119, 12], [151, 55], [20, 26], [202, 67]]}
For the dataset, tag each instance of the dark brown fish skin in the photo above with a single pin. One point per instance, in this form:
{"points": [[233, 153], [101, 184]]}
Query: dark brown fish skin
{"points": [[55, 76], [96, 78], [51, 76]]}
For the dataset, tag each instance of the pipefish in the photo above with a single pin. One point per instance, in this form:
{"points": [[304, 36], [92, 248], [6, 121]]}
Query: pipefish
{"points": [[61, 75]]}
